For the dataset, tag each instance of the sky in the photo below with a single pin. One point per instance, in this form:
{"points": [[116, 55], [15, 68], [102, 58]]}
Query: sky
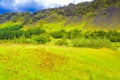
{"points": [[33, 5]]}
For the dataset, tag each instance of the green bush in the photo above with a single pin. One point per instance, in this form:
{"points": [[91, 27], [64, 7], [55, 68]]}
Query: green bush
{"points": [[10, 32], [114, 36], [35, 31], [74, 34], [59, 34], [42, 39]]}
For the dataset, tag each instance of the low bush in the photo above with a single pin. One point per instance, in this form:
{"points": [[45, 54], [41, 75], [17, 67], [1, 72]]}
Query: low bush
{"points": [[59, 34], [42, 39]]}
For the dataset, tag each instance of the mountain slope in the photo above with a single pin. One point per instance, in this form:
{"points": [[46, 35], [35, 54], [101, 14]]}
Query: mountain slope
{"points": [[102, 14]]}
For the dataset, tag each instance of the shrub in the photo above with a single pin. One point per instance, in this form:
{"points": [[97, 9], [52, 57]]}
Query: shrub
{"points": [[42, 39], [114, 36], [35, 31], [74, 33], [59, 34], [98, 34]]}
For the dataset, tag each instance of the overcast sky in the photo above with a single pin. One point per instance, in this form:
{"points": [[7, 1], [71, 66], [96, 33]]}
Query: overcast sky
{"points": [[33, 5]]}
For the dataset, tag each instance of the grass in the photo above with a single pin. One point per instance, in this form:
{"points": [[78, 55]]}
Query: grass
{"points": [[44, 62], [92, 43], [8, 24]]}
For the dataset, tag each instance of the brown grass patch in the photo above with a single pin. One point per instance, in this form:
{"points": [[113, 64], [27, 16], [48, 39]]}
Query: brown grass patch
{"points": [[50, 61]]}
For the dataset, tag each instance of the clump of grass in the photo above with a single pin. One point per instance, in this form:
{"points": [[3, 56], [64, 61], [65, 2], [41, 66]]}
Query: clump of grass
{"points": [[61, 42], [92, 43]]}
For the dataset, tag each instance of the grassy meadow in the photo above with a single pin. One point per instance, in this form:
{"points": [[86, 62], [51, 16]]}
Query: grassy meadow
{"points": [[49, 53], [46, 62]]}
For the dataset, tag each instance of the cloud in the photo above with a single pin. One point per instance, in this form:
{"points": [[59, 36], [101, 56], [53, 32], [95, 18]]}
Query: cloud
{"points": [[57, 3], [33, 5], [53, 3], [18, 5]]}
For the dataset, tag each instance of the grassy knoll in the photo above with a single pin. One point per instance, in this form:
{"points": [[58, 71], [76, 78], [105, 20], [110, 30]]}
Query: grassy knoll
{"points": [[40, 62]]}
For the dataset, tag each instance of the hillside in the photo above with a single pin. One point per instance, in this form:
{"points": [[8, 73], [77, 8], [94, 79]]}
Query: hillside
{"points": [[75, 25], [102, 14]]}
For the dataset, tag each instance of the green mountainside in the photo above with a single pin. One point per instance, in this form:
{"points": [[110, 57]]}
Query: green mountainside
{"points": [[77, 25], [95, 15]]}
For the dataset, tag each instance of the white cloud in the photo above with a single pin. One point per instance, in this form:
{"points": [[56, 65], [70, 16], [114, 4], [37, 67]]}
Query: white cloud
{"points": [[78, 1], [53, 3], [16, 5], [20, 2], [56, 3]]}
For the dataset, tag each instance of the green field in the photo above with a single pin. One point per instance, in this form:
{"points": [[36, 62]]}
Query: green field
{"points": [[46, 62]]}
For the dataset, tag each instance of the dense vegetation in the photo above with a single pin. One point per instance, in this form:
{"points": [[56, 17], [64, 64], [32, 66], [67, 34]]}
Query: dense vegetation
{"points": [[76, 38], [12, 32]]}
